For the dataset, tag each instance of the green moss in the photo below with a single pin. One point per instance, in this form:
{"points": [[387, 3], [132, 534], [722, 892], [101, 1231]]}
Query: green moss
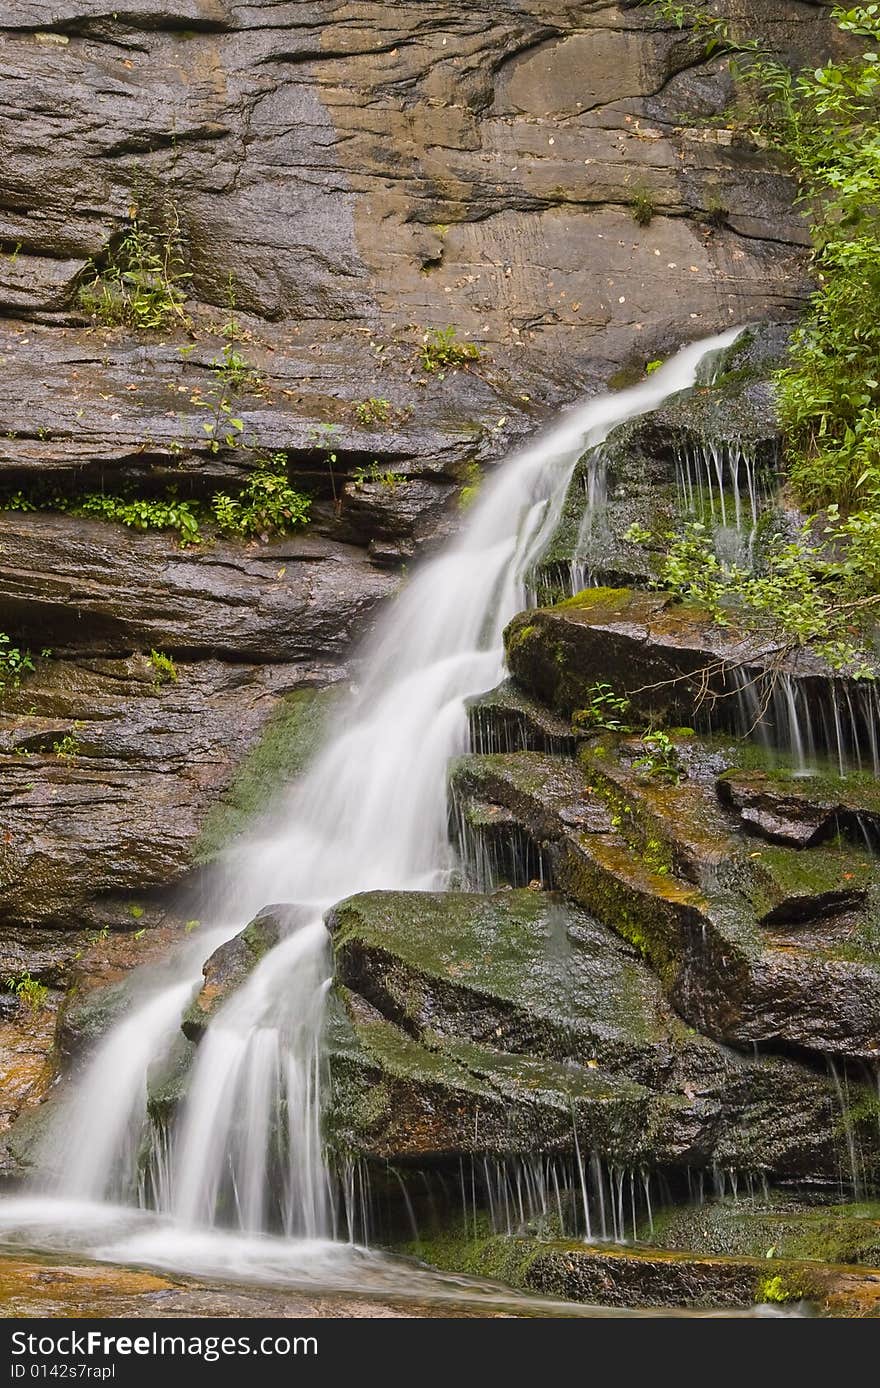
{"points": [[612, 599], [288, 743]]}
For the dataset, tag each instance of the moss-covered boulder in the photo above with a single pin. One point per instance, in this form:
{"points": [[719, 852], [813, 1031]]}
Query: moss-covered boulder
{"points": [[675, 664], [652, 1277], [779, 804], [752, 945], [466, 1024]]}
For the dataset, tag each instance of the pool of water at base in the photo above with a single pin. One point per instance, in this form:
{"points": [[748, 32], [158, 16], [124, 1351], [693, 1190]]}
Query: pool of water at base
{"points": [[118, 1236]]}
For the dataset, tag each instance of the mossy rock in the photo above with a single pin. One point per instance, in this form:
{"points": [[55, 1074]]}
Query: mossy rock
{"points": [[229, 966], [614, 1275], [289, 741], [714, 919]]}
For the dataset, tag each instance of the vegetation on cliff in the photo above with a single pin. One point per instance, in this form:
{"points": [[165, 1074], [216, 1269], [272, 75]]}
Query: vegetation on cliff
{"points": [[820, 586]]}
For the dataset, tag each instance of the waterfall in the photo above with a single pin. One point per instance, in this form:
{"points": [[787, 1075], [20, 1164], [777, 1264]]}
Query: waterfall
{"points": [[596, 496], [721, 483], [832, 719], [245, 1151]]}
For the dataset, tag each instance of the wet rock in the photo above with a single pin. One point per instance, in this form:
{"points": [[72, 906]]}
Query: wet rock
{"points": [[673, 661], [792, 1228], [396, 510], [393, 1097], [780, 805], [96, 588], [643, 473], [352, 242], [775, 946], [230, 965], [108, 780], [506, 720], [642, 1277], [28, 1060], [444, 1002]]}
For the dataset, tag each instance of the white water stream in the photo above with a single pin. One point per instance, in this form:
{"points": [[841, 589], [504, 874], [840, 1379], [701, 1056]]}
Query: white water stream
{"points": [[371, 812]]}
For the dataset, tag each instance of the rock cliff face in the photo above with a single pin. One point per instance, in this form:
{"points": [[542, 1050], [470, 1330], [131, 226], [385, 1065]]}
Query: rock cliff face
{"points": [[361, 174]]}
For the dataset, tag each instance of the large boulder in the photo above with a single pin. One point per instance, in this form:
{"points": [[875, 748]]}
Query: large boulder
{"points": [[512, 1023], [767, 946]]}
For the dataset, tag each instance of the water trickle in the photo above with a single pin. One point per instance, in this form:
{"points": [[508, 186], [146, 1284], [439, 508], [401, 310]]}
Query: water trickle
{"points": [[589, 531], [371, 812], [841, 1087], [808, 720]]}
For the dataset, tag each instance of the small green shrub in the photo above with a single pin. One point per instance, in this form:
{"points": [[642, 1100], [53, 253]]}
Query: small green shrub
{"points": [[267, 504], [660, 758], [31, 995], [376, 473], [139, 513], [164, 669], [67, 748], [643, 207], [819, 589], [441, 350], [141, 285], [375, 410], [604, 712], [14, 663]]}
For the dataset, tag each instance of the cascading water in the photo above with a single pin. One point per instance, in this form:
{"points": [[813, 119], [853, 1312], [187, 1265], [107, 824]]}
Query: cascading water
{"points": [[722, 483], [371, 813], [820, 723], [596, 496]]}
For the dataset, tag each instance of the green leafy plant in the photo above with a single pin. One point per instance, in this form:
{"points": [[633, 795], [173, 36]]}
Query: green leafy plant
{"points": [[232, 368], [711, 33], [14, 663], [68, 747], [441, 351], [266, 505], [139, 513], [643, 207], [660, 757], [604, 712], [819, 589], [383, 476], [375, 410], [141, 284], [164, 669], [31, 994]]}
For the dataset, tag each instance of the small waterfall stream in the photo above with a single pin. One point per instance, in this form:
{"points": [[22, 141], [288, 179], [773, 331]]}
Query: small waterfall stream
{"points": [[371, 812]]}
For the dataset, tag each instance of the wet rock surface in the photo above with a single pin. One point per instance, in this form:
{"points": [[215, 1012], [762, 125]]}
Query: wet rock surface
{"points": [[644, 1277], [228, 967], [466, 1024], [752, 945], [108, 778]]}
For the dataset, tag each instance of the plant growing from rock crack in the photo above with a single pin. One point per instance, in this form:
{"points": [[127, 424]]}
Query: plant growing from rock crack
{"points": [[31, 995], [818, 589], [374, 410], [68, 747], [441, 350], [164, 669], [14, 663], [605, 711], [643, 207], [385, 477], [141, 284], [660, 757], [266, 505]]}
